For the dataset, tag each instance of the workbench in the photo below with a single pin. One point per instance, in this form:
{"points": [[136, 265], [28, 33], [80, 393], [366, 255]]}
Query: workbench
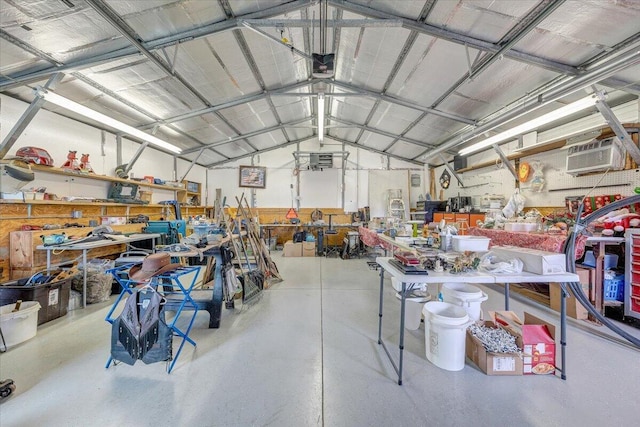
{"points": [[116, 239], [410, 280]]}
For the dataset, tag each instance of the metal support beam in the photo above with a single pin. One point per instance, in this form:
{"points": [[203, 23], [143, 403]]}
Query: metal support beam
{"points": [[382, 132], [248, 135], [27, 117], [333, 23], [454, 37], [33, 75], [394, 100], [192, 164], [373, 150], [297, 163], [452, 170], [230, 104], [254, 153], [505, 160], [113, 19], [618, 129], [344, 165], [119, 149], [135, 157], [277, 40], [528, 105]]}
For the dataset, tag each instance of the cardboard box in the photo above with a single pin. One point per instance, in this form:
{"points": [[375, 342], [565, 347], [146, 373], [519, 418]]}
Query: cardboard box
{"points": [[493, 363], [292, 249], [538, 341], [534, 260], [145, 196], [308, 248], [574, 308]]}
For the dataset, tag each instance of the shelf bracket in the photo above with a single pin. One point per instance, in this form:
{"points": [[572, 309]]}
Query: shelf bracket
{"points": [[616, 126], [453, 172], [505, 161], [27, 116]]}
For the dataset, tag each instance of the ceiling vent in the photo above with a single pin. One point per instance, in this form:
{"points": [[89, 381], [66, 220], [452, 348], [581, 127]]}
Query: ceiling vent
{"points": [[595, 156], [320, 161]]}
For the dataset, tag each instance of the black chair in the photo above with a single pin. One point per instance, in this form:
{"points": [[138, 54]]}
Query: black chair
{"points": [[329, 249]]}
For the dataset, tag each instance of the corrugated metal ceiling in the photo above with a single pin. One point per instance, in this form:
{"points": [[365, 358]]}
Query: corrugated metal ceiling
{"points": [[213, 74]]}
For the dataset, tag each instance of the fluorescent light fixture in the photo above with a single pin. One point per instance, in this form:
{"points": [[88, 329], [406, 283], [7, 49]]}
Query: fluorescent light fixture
{"points": [[565, 111], [321, 116], [106, 120]]}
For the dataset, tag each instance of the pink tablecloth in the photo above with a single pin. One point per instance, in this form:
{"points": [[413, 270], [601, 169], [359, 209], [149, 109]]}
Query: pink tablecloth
{"points": [[370, 238], [541, 241]]}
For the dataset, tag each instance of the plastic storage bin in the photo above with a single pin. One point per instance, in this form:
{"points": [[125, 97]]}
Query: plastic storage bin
{"points": [[614, 288], [470, 243], [53, 297], [19, 326]]}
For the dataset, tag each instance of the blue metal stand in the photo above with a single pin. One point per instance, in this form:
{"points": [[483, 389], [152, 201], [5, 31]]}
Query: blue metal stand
{"points": [[174, 290]]}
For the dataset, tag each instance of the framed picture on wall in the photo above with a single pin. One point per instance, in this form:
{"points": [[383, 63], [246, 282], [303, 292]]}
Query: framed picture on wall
{"points": [[253, 176]]}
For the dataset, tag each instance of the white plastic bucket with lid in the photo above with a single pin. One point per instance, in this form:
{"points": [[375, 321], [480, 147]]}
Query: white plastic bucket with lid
{"points": [[445, 327], [21, 325], [413, 310], [465, 295]]}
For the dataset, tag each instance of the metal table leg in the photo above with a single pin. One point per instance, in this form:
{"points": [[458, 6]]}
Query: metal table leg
{"points": [[403, 300], [380, 309], [48, 261], [506, 296], [84, 278], [397, 368], [563, 329]]}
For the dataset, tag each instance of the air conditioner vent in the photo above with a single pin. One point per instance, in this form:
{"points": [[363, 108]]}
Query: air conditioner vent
{"points": [[595, 156]]}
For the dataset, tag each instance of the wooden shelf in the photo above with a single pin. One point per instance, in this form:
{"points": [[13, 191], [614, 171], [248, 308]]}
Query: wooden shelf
{"points": [[184, 194], [79, 203], [60, 171]]}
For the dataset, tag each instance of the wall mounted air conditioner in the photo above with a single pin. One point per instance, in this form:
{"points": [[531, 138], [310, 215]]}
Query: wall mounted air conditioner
{"points": [[320, 161], [595, 156]]}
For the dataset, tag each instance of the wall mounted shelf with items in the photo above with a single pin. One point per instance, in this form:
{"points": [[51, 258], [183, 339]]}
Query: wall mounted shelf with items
{"points": [[190, 194], [60, 171]]}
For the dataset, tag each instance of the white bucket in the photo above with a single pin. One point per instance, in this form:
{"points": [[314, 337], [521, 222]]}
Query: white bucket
{"points": [[21, 325], [413, 310], [445, 328], [465, 295]]}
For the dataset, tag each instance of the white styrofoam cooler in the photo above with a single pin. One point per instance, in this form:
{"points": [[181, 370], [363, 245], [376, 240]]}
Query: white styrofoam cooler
{"points": [[19, 326]]}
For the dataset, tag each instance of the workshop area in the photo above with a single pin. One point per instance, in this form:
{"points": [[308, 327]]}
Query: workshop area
{"points": [[319, 212]]}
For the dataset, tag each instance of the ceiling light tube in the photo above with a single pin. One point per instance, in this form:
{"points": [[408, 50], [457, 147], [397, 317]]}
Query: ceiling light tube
{"points": [[321, 116], [106, 120], [565, 111]]}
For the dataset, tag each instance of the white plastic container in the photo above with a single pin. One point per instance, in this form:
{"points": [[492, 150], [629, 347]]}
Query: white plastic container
{"points": [[413, 310], [19, 326], [466, 296], [445, 327], [470, 243], [521, 226]]}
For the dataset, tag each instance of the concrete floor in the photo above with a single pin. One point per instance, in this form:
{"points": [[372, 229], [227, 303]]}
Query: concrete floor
{"points": [[305, 355]]}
